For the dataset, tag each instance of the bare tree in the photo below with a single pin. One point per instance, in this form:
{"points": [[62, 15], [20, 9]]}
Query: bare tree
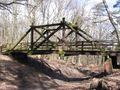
{"points": [[6, 5], [112, 21], [100, 23]]}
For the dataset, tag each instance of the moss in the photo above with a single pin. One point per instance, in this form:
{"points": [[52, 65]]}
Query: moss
{"points": [[61, 52]]}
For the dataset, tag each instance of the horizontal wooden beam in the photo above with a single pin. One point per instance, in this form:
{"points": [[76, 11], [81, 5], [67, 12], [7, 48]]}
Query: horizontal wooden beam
{"points": [[73, 52], [46, 39], [47, 25]]}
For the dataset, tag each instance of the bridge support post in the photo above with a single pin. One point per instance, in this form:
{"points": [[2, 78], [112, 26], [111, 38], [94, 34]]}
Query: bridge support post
{"points": [[0, 48], [114, 61], [63, 33], [32, 39]]}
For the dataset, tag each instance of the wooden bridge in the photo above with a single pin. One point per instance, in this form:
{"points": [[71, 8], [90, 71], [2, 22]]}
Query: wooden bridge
{"points": [[63, 36]]}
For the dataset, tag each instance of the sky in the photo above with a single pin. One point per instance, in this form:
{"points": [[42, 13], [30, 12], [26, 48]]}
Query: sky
{"points": [[109, 2], [92, 3]]}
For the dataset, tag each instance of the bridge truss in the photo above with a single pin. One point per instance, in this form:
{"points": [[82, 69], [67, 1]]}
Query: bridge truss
{"points": [[63, 36]]}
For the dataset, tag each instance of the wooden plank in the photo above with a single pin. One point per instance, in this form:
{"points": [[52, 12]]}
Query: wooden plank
{"points": [[47, 25], [79, 43], [50, 29]]}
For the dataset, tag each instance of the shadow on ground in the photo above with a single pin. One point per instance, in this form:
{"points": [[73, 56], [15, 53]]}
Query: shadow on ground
{"points": [[16, 76], [43, 67], [26, 73]]}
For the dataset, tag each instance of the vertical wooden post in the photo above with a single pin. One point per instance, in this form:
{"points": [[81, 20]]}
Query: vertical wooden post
{"points": [[76, 35], [47, 40], [63, 33], [63, 37], [32, 39], [76, 39], [0, 49], [82, 46]]}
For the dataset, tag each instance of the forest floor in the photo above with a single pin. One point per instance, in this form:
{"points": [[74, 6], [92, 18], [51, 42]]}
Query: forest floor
{"points": [[42, 74]]}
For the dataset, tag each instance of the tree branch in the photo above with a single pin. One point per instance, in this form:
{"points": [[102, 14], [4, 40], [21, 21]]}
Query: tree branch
{"points": [[111, 21], [7, 5], [11, 3]]}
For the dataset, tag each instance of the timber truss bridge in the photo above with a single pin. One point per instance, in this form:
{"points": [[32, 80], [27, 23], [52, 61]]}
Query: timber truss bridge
{"points": [[64, 37]]}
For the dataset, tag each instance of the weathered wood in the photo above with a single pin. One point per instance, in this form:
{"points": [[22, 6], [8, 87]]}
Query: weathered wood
{"points": [[69, 34], [40, 37], [85, 33], [32, 39], [47, 25], [0, 49], [77, 32], [47, 38], [76, 47], [63, 33], [21, 38], [43, 35]]}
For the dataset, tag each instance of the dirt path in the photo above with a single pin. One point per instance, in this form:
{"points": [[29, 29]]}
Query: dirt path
{"points": [[47, 75]]}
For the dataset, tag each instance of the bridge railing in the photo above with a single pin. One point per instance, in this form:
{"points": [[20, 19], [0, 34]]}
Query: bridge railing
{"points": [[80, 45], [8, 46]]}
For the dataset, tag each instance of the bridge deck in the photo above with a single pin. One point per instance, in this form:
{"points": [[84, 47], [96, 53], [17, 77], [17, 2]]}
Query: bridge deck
{"points": [[69, 52], [50, 38], [70, 48]]}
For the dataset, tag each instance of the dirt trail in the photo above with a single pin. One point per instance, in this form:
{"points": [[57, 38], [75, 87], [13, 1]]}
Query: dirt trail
{"points": [[48, 75]]}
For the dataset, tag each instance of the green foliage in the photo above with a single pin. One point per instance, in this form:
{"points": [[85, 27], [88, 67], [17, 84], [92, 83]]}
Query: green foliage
{"points": [[61, 52]]}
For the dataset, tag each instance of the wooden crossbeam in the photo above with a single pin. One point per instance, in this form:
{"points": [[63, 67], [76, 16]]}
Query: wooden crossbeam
{"points": [[48, 25], [84, 33], [22, 38], [50, 29], [44, 36], [40, 37], [77, 32], [47, 38], [69, 33]]}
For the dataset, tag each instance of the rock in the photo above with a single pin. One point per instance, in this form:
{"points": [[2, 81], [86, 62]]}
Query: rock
{"points": [[107, 66], [99, 84]]}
